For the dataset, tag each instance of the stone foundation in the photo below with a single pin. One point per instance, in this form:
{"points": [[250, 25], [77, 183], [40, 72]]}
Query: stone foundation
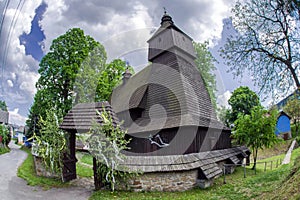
{"points": [[41, 170], [204, 183], [165, 181]]}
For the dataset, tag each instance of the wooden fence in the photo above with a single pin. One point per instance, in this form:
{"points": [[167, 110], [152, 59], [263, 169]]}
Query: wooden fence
{"points": [[268, 165]]}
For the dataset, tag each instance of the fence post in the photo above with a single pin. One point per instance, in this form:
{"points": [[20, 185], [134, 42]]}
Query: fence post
{"points": [[244, 171], [271, 165], [224, 174], [265, 166]]}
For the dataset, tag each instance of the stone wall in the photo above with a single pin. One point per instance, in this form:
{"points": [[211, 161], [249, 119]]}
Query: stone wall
{"points": [[41, 170], [165, 181]]}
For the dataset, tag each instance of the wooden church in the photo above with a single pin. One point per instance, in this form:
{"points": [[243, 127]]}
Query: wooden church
{"points": [[166, 106], [176, 139]]}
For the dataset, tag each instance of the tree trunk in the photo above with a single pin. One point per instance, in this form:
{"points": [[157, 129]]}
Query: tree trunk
{"points": [[254, 159]]}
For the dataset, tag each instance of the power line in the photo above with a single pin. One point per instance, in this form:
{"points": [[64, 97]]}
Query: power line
{"points": [[12, 26], [1, 26]]}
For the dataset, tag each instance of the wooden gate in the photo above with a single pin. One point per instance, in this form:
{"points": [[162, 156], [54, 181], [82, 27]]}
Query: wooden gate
{"points": [[69, 161], [69, 169]]}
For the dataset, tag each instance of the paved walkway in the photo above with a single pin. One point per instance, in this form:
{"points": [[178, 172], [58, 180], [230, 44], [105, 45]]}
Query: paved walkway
{"points": [[15, 188], [287, 157]]}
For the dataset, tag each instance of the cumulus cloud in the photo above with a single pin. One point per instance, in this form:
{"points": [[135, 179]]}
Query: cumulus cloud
{"points": [[122, 27], [16, 118], [222, 99]]}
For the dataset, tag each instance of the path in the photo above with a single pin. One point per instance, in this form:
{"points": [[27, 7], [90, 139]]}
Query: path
{"points": [[287, 157], [15, 188]]}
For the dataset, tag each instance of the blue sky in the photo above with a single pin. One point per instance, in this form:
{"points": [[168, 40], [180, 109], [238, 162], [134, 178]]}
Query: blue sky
{"points": [[123, 29]]}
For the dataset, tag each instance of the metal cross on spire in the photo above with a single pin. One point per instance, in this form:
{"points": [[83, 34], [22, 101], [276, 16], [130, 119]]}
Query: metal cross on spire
{"points": [[165, 10]]}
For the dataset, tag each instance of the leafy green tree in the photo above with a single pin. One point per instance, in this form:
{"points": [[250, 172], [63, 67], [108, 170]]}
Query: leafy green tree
{"points": [[72, 55], [3, 106], [292, 108], [109, 78], [256, 130], [241, 101], [4, 134], [60, 66], [88, 75], [224, 115], [38, 110], [205, 64], [105, 144], [266, 43]]}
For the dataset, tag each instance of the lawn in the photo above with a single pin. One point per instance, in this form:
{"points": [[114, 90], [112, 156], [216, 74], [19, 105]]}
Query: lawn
{"points": [[259, 186], [4, 150], [27, 172], [262, 185]]}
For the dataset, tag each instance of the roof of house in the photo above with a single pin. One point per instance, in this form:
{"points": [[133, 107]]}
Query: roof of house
{"points": [[206, 161], [82, 115], [4, 117], [281, 113]]}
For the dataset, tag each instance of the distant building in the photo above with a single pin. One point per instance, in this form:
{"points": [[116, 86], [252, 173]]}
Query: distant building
{"points": [[283, 126], [4, 117]]}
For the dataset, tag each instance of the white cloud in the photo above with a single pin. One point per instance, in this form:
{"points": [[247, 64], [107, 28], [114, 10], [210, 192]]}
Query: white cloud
{"points": [[10, 83], [123, 28], [222, 99], [16, 118]]}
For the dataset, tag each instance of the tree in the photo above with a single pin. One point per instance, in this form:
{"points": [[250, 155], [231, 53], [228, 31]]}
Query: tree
{"points": [[204, 62], [256, 130], [88, 75], [105, 144], [5, 136], [70, 56], [60, 66], [241, 101], [3, 106], [267, 43], [109, 78], [224, 114], [292, 108]]}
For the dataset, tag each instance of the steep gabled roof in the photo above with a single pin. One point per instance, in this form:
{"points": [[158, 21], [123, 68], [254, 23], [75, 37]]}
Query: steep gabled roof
{"points": [[82, 115]]}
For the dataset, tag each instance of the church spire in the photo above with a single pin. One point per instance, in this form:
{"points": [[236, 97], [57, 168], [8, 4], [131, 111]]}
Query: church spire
{"points": [[166, 19]]}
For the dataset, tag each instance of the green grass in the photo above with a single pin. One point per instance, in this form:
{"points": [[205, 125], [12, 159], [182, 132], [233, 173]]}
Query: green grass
{"points": [[84, 170], [84, 166], [87, 159], [4, 150], [263, 185], [27, 172]]}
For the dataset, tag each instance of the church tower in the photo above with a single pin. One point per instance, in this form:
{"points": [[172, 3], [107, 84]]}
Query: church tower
{"points": [[169, 38]]}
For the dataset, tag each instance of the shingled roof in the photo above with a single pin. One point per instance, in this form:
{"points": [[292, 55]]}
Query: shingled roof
{"points": [[4, 117], [81, 116], [169, 90], [206, 161]]}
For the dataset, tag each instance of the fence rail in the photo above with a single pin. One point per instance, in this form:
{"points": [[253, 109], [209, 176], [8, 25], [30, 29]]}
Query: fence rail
{"points": [[267, 164]]}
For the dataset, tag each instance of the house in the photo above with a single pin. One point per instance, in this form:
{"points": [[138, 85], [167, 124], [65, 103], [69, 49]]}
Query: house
{"points": [[4, 117], [283, 126], [19, 133]]}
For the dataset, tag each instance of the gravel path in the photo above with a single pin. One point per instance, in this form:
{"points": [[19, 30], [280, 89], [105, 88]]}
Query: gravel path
{"points": [[15, 188]]}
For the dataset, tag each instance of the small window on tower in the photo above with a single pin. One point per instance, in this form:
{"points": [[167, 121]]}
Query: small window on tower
{"points": [[159, 39], [183, 38]]}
